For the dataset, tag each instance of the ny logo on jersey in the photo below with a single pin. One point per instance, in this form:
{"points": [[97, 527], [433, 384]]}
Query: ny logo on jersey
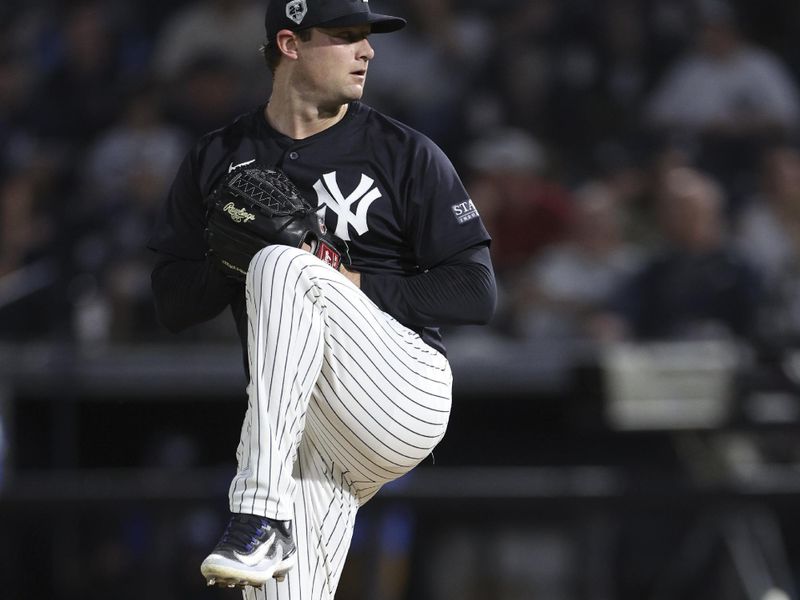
{"points": [[331, 198]]}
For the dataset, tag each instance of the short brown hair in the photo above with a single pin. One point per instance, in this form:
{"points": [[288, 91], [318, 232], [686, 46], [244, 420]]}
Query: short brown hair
{"points": [[272, 55]]}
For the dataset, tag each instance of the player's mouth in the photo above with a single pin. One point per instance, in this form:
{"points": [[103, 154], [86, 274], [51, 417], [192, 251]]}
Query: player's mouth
{"points": [[360, 73]]}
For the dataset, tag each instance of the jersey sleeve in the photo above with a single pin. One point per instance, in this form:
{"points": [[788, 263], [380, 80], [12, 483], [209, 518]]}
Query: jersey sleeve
{"points": [[188, 289], [461, 291], [442, 220], [179, 226]]}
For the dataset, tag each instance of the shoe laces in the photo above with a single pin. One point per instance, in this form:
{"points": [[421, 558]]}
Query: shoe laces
{"points": [[244, 532]]}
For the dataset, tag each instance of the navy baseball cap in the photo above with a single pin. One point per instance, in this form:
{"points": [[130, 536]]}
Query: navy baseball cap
{"points": [[303, 14]]}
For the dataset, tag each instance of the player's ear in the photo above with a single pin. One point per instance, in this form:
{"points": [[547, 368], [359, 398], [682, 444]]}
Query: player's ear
{"points": [[286, 40]]}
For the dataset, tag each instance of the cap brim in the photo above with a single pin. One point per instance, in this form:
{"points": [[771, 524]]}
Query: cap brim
{"points": [[379, 23]]}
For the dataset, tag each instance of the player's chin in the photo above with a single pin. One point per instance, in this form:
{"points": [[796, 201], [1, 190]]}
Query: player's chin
{"points": [[354, 90]]}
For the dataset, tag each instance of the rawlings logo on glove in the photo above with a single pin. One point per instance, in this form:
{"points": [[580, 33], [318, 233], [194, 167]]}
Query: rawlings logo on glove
{"points": [[239, 215], [256, 207]]}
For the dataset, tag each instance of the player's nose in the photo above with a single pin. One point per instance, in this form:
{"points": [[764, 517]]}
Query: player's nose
{"points": [[366, 52]]}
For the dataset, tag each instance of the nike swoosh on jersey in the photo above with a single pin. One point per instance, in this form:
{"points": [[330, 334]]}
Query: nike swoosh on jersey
{"points": [[232, 167], [251, 560]]}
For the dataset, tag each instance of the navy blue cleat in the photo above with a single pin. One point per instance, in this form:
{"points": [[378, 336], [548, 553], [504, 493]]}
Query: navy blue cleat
{"points": [[252, 551]]}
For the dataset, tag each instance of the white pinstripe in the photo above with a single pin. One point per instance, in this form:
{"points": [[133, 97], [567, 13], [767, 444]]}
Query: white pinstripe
{"points": [[342, 399]]}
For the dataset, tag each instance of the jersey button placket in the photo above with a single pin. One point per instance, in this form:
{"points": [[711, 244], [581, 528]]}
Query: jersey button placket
{"points": [[293, 155]]}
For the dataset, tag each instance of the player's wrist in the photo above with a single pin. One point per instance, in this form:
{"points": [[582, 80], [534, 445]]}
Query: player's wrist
{"points": [[353, 276]]}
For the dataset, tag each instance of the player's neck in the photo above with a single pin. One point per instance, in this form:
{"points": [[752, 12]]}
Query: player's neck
{"points": [[298, 119]]}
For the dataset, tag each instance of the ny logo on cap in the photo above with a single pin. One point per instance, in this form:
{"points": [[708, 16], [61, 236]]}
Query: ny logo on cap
{"points": [[296, 10]]}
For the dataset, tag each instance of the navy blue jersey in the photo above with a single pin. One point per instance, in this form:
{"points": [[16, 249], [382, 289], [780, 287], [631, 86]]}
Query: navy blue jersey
{"points": [[385, 188]]}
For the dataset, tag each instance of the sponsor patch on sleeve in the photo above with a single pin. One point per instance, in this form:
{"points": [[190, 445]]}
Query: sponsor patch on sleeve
{"points": [[465, 211]]}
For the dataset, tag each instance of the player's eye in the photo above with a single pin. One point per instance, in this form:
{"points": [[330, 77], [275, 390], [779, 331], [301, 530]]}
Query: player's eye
{"points": [[350, 37]]}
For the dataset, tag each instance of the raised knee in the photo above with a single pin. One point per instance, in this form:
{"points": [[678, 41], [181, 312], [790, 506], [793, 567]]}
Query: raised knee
{"points": [[276, 260], [269, 256]]}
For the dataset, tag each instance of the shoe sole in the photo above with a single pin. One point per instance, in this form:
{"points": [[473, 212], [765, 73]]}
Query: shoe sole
{"points": [[227, 575]]}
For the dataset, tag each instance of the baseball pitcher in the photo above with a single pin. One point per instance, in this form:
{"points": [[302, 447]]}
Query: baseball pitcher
{"points": [[341, 239]]}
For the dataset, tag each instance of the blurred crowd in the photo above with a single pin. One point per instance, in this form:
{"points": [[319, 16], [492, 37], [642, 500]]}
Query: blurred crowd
{"points": [[636, 161]]}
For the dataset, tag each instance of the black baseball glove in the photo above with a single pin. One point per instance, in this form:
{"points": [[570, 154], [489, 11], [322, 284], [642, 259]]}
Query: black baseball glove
{"points": [[256, 206]]}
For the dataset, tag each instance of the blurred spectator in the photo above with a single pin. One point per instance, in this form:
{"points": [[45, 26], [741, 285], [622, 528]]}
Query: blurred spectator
{"points": [[207, 93], [625, 67], [726, 84], [15, 85], [697, 286], [30, 255], [523, 209], [80, 95], [527, 69], [768, 233], [724, 97], [773, 24], [669, 31], [561, 292], [624, 169], [571, 72], [137, 155], [424, 73], [635, 42], [129, 170], [27, 228], [232, 30]]}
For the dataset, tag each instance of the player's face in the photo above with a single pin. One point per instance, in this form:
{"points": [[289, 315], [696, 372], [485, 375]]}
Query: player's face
{"points": [[334, 63]]}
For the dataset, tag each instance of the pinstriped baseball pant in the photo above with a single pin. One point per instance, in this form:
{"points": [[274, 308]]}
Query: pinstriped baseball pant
{"points": [[342, 399]]}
